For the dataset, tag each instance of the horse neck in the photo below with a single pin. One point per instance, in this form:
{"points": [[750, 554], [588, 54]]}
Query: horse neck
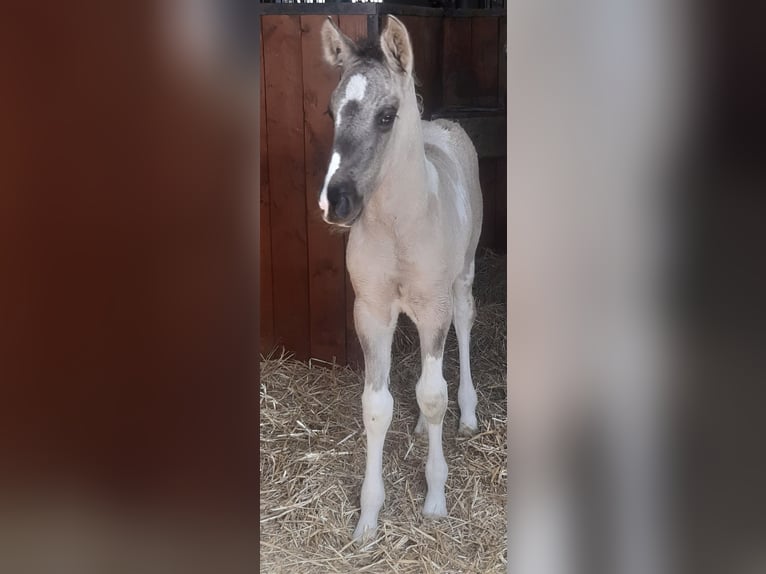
{"points": [[403, 188]]}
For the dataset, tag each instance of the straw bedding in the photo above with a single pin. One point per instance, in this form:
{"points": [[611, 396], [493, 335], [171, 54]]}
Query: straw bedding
{"points": [[313, 454]]}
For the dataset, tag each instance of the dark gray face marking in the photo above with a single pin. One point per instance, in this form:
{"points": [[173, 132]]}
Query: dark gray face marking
{"points": [[364, 107]]}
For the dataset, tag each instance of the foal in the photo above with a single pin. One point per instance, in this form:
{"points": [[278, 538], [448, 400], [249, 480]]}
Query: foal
{"points": [[409, 192]]}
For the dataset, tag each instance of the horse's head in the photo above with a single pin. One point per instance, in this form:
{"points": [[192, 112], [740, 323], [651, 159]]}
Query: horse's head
{"points": [[375, 80]]}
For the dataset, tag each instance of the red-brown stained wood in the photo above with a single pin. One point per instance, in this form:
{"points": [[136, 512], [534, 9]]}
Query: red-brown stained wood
{"points": [[488, 179], [267, 298], [425, 35], [501, 197], [502, 63], [326, 250], [484, 60], [284, 102], [457, 75], [355, 27]]}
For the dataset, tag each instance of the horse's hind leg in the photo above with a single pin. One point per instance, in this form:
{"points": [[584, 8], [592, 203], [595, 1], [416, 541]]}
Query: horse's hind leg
{"points": [[463, 316]]}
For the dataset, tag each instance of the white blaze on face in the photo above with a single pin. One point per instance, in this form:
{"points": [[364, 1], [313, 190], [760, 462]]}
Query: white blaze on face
{"points": [[334, 163], [355, 89]]}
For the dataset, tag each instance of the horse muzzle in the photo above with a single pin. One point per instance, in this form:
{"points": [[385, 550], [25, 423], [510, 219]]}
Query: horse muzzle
{"points": [[343, 204]]}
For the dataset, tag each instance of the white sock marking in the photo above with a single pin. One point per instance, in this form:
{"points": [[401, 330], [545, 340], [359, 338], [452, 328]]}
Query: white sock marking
{"points": [[466, 394], [432, 370], [377, 407], [436, 474], [432, 393]]}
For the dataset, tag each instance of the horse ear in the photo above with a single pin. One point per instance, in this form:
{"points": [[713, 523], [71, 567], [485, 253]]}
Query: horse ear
{"points": [[396, 46], [338, 48]]}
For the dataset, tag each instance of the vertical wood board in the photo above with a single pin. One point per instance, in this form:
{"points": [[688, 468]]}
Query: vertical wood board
{"points": [[502, 61], [326, 250], [425, 35], [284, 102], [267, 297], [484, 60], [457, 75], [488, 179]]}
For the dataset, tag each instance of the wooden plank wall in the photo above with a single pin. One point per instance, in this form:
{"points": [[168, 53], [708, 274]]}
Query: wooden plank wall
{"points": [[306, 297], [457, 75], [267, 292], [287, 187], [426, 36], [305, 284], [327, 271], [475, 77]]}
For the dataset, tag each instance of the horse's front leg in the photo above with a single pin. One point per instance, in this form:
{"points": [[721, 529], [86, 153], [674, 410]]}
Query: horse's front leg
{"points": [[431, 392], [375, 325]]}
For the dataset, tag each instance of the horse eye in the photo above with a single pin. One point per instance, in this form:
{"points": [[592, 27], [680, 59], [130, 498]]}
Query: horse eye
{"points": [[329, 113], [386, 118]]}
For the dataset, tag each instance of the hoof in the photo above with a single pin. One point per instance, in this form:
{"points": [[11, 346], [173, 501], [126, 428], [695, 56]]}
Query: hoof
{"points": [[436, 508], [467, 431], [365, 531]]}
